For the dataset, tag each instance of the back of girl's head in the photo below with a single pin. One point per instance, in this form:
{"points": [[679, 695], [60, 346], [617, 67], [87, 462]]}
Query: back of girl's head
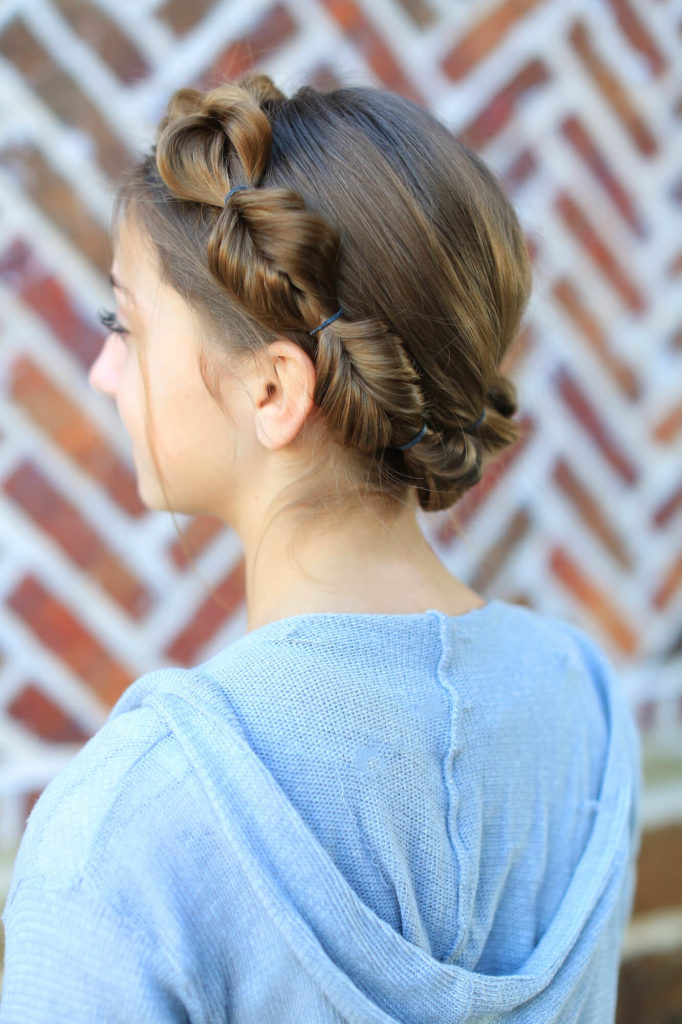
{"points": [[356, 200]]}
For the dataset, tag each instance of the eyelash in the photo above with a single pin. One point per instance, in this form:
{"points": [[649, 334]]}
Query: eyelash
{"points": [[108, 320]]}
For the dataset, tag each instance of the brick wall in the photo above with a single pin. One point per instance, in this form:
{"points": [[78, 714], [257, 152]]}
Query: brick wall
{"points": [[578, 106]]}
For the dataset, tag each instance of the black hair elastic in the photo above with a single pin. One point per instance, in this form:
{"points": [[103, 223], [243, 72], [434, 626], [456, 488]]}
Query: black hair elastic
{"points": [[329, 320]]}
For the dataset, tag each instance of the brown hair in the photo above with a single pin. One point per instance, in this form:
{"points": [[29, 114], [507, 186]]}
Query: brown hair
{"points": [[355, 199]]}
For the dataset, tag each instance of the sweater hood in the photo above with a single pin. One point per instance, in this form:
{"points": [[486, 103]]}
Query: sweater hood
{"points": [[364, 966]]}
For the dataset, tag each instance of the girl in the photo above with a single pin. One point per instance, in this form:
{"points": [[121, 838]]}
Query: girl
{"points": [[390, 800]]}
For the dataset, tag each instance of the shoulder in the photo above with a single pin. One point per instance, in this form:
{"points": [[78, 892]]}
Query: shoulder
{"points": [[523, 667], [540, 638], [556, 672], [576, 652], [96, 881], [127, 846], [116, 791]]}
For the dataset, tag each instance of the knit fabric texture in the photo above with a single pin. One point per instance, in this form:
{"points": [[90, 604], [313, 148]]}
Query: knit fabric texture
{"points": [[426, 819]]}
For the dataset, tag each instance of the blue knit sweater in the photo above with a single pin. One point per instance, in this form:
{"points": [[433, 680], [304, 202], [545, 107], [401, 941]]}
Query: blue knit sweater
{"points": [[424, 818]]}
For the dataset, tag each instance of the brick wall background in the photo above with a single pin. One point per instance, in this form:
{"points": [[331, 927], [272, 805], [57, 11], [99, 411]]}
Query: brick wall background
{"points": [[578, 106]]}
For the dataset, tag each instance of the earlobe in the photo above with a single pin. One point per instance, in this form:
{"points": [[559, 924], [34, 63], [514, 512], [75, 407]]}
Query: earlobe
{"points": [[286, 394]]}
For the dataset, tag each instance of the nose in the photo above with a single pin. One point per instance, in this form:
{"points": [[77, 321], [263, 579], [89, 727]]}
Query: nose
{"points": [[104, 372]]}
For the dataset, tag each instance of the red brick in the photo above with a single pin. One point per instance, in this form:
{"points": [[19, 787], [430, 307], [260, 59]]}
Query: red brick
{"points": [[61, 521], [57, 628], [40, 715], [599, 606], [221, 603], [624, 375], [503, 106], [645, 714], [517, 351], [273, 29], [650, 989], [670, 426], [579, 404], [637, 35], [532, 241], [486, 35], [674, 269], [591, 512], [324, 78], [521, 168], [521, 598], [58, 200], [421, 12], [115, 48], [670, 507], [30, 800], [499, 553], [576, 220], [71, 429], [22, 271], [62, 95], [196, 536], [182, 16], [613, 90], [584, 144], [659, 879], [671, 583], [365, 37]]}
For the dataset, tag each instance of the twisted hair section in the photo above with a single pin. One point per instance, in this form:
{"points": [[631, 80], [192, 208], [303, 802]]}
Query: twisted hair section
{"points": [[363, 372], [205, 136], [359, 200], [271, 253]]}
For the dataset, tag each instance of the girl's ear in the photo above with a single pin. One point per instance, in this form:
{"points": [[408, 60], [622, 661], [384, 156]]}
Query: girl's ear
{"points": [[284, 388]]}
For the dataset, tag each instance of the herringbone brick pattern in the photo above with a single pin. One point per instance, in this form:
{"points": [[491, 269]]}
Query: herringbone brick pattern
{"points": [[576, 104]]}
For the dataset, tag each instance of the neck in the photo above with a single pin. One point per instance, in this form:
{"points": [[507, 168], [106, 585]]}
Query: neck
{"points": [[361, 562]]}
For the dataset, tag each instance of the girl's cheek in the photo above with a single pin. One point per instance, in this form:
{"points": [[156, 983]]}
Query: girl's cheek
{"points": [[128, 398]]}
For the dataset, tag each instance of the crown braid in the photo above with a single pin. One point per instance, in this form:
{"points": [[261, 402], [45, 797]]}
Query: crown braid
{"points": [[360, 200]]}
